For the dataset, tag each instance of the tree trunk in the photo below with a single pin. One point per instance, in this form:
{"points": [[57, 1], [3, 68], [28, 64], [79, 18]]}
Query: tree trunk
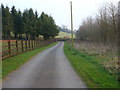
{"points": [[20, 36], [27, 37], [46, 38], [15, 36]]}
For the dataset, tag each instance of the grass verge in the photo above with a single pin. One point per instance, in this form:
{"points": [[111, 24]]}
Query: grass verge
{"points": [[13, 63], [92, 73]]}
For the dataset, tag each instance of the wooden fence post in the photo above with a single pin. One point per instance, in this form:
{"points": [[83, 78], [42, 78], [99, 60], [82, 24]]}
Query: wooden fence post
{"points": [[17, 46], [29, 44], [26, 45], [37, 44], [9, 48], [22, 46], [32, 44]]}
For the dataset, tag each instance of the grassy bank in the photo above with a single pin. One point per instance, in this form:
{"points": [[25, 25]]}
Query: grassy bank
{"points": [[13, 63], [92, 73]]}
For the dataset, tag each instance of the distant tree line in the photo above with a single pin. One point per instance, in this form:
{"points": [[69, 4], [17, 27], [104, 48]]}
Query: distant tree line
{"points": [[27, 24], [101, 29], [65, 29]]}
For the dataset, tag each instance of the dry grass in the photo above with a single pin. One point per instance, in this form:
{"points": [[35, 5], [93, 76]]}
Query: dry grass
{"points": [[108, 56], [90, 69]]}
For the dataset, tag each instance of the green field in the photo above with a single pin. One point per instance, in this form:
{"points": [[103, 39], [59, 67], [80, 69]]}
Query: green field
{"points": [[91, 71], [64, 34]]}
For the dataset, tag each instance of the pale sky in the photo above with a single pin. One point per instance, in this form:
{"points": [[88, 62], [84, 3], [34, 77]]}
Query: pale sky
{"points": [[60, 9]]}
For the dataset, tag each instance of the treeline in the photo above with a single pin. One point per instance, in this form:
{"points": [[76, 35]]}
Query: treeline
{"points": [[102, 28], [65, 29], [27, 24]]}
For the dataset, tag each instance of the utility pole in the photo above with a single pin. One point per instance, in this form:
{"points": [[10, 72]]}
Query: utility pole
{"points": [[119, 15], [118, 23], [119, 36], [71, 24]]}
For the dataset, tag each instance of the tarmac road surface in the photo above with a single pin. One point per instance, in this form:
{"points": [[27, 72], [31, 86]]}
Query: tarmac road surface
{"points": [[48, 69]]}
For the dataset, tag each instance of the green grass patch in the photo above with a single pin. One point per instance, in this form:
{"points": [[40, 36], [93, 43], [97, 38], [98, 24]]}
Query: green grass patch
{"points": [[13, 63], [92, 73]]}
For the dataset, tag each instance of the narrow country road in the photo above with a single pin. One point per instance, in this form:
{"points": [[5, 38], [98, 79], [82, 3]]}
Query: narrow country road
{"points": [[48, 69]]}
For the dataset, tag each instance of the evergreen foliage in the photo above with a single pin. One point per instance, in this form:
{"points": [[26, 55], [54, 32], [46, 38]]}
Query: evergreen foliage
{"points": [[27, 25]]}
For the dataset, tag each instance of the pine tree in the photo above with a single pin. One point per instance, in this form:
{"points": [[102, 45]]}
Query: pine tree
{"points": [[48, 26], [25, 20], [6, 22], [20, 24]]}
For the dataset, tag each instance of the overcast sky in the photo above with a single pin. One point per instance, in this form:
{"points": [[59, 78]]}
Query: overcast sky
{"points": [[60, 9]]}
